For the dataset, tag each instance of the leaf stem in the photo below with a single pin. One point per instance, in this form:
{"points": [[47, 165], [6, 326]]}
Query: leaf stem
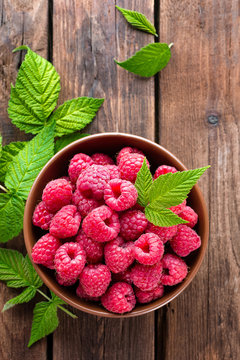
{"points": [[170, 45], [44, 295], [3, 188]]}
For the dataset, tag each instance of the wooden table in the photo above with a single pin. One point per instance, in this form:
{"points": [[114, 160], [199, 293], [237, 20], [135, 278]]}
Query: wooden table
{"points": [[192, 108]]}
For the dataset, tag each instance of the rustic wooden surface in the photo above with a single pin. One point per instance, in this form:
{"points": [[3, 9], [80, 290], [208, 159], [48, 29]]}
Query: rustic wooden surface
{"points": [[193, 109]]}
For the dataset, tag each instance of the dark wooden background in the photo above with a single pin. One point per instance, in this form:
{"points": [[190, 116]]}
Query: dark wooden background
{"points": [[192, 108]]}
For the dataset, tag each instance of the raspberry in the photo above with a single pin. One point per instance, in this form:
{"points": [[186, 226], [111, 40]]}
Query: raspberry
{"points": [[179, 208], [185, 241], [113, 171], [126, 151], [102, 159], [95, 279], [64, 282], [92, 181], [44, 250], [69, 261], [144, 297], [124, 276], [102, 224], [146, 277], [132, 224], [83, 295], [69, 180], [130, 165], [93, 249], [120, 194], [148, 249], [164, 169], [77, 164], [118, 255], [66, 222], [164, 233], [41, 216], [57, 194], [84, 205], [174, 270], [189, 215], [119, 298]]}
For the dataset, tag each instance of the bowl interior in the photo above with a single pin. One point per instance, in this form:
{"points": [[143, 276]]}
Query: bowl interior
{"points": [[111, 143]]}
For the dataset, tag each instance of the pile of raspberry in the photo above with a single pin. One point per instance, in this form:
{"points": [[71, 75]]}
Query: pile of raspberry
{"points": [[98, 239]]}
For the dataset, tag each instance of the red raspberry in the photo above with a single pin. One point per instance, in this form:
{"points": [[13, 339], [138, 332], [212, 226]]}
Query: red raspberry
{"points": [[64, 282], [102, 159], [93, 249], [69, 180], [95, 279], [84, 205], [174, 270], [44, 250], [124, 276], [130, 165], [144, 297], [178, 209], [118, 255], [132, 224], [164, 233], [41, 216], [148, 249], [57, 194], [119, 298], [164, 169], [102, 224], [83, 295], [69, 261], [113, 171], [92, 181], [146, 277], [189, 214], [126, 151], [120, 194], [66, 222], [185, 241], [77, 164]]}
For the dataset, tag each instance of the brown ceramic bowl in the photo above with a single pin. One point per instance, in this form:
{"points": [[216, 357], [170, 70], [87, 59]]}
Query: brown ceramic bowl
{"points": [[111, 143]]}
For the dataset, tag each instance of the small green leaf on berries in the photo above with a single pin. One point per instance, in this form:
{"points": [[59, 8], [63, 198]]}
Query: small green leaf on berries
{"points": [[143, 184]]}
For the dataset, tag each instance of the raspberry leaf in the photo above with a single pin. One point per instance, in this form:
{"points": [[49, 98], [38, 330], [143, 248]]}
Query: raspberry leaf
{"points": [[31, 274], [27, 295], [35, 94], [138, 20], [67, 139], [29, 161], [8, 153], [161, 216], [75, 114], [143, 184]]}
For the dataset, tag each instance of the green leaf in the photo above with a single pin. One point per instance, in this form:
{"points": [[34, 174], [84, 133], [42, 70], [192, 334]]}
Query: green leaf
{"points": [[11, 216], [75, 114], [143, 184], [149, 60], [31, 274], [45, 321], [171, 189], [8, 153], [29, 161], [27, 295], [67, 139], [138, 20], [162, 217], [35, 94]]}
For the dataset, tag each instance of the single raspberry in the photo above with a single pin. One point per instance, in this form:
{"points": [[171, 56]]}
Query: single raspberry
{"points": [[113, 171], [41, 216], [69, 261], [101, 224], [83, 295], [92, 181], [164, 169], [119, 298], [148, 249], [95, 279], [126, 151], [66, 222], [174, 270], [132, 224], [43, 252], [57, 194], [77, 164], [165, 233], [178, 209], [118, 254], [124, 276], [84, 205], [93, 249], [144, 297], [102, 159], [185, 241], [130, 165], [189, 215], [120, 194], [65, 282], [146, 277]]}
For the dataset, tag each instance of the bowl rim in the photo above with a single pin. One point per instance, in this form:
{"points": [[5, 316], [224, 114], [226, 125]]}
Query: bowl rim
{"points": [[144, 308]]}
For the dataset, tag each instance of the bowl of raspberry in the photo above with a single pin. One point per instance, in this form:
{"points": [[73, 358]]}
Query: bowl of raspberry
{"points": [[90, 240]]}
